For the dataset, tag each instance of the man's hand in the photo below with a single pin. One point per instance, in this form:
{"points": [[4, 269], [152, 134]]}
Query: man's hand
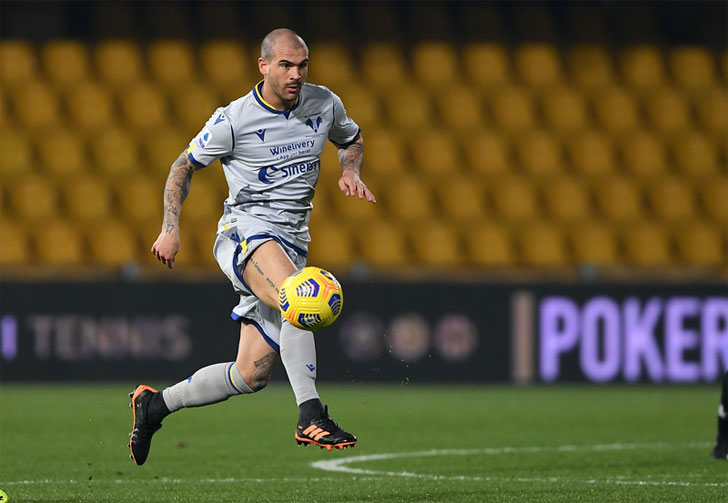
{"points": [[166, 246], [351, 185]]}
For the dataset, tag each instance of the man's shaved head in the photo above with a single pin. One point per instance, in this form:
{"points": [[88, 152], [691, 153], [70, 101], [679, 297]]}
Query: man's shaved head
{"points": [[282, 37]]}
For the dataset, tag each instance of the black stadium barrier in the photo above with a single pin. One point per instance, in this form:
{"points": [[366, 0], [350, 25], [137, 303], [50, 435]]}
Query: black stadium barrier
{"points": [[395, 332]]}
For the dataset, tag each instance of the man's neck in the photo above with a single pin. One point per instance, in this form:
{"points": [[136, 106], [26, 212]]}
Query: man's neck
{"points": [[274, 100]]}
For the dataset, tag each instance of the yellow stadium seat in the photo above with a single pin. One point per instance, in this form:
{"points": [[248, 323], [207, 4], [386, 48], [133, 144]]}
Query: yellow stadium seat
{"points": [[331, 65], [408, 108], [351, 208], [714, 196], [204, 203], [383, 66], [591, 154], [695, 155], [90, 107], [460, 108], [672, 200], [409, 199], [435, 64], [539, 154], [33, 198], [590, 67], [515, 199], [18, 63], [14, 245], [513, 109], [643, 155], [384, 154], [59, 244], [119, 62], [619, 199], [712, 107], [667, 111], [542, 244], [434, 153], [140, 198], [362, 105], [487, 153], [17, 158], [88, 198], [332, 245], [462, 200], [486, 64], [564, 110], [642, 67], [112, 243], [36, 106], [193, 104], [489, 245], [61, 153], [225, 64], [144, 107], [115, 152], [593, 243], [382, 244], [567, 199], [66, 62], [161, 148], [692, 68], [171, 62], [647, 245], [436, 244], [538, 65], [616, 110], [699, 244]]}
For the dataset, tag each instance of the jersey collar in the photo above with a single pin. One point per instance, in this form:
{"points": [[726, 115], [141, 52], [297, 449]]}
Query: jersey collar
{"points": [[258, 93]]}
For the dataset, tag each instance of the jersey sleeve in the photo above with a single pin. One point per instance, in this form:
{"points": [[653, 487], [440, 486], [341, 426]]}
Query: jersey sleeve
{"points": [[344, 129], [214, 141]]}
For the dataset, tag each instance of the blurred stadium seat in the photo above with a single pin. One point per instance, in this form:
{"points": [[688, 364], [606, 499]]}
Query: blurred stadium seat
{"points": [[408, 107], [564, 110], [692, 68], [226, 67], [593, 243], [616, 110], [435, 243], [619, 199], [462, 200], [36, 105], [385, 154], [115, 152], [140, 198], [87, 199], [435, 64], [331, 65], [382, 244], [18, 63], [409, 199], [539, 154], [119, 62], [699, 243], [513, 109], [642, 67], [590, 67], [192, 105], [90, 107], [514, 199], [712, 110], [460, 108], [331, 244], [144, 107], [112, 243], [363, 104], [66, 62], [647, 244], [538, 65], [695, 156], [171, 63], [489, 244], [487, 153], [714, 195], [383, 65], [59, 242], [33, 198], [567, 199], [486, 64], [434, 154], [542, 244], [17, 155], [591, 154], [14, 245], [643, 155], [61, 153], [667, 111], [671, 199]]}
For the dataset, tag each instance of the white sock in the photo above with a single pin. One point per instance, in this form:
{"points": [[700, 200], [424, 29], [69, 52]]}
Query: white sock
{"points": [[208, 385], [298, 354]]}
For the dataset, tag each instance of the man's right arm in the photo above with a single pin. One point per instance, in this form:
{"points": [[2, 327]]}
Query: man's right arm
{"points": [[167, 245]]}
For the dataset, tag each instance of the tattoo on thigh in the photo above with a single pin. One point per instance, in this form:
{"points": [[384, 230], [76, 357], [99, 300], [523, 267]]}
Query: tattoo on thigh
{"points": [[264, 366], [260, 271]]}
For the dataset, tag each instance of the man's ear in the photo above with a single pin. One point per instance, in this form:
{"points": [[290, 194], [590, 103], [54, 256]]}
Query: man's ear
{"points": [[262, 66]]}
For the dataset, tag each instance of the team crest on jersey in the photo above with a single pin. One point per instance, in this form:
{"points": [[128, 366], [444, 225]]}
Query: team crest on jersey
{"points": [[261, 134], [314, 125], [205, 137]]}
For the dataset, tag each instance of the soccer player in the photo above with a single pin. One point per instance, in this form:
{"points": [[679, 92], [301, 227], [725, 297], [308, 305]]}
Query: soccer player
{"points": [[269, 143], [720, 451]]}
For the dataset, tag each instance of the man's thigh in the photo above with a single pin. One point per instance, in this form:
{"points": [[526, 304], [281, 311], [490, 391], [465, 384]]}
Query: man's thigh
{"points": [[265, 271]]}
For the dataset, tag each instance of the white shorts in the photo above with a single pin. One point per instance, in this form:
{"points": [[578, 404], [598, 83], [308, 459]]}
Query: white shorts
{"points": [[237, 238]]}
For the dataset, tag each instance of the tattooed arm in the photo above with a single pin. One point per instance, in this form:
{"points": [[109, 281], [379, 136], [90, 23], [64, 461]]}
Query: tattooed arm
{"points": [[350, 158], [166, 246]]}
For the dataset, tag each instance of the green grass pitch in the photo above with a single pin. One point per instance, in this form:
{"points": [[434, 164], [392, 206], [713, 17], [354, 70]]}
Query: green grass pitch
{"points": [[67, 443]]}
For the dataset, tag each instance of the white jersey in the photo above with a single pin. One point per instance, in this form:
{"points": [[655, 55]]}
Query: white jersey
{"points": [[272, 158]]}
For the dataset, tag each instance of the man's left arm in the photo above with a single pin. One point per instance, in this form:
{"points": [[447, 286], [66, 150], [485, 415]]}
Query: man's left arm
{"points": [[351, 157]]}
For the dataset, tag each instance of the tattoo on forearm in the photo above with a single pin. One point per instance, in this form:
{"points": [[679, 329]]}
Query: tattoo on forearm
{"points": [[260, 271], [351, 157], [175, 191]]}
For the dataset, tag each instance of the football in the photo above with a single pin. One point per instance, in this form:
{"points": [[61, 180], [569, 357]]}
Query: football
{"points": [[311, 298]]}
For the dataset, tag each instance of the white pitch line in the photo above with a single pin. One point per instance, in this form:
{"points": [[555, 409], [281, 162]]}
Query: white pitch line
{"points": [[341, 465]]}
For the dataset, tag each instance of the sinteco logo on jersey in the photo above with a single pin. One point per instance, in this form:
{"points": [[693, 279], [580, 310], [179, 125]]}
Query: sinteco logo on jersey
{"points": [[268, 174]]}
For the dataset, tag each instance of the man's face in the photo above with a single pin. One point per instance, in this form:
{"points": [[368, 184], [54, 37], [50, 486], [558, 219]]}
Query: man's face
{"points": [[286, 72]]}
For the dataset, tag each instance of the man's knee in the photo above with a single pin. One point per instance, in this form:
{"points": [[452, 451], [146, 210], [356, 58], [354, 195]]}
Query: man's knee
{"points": [[257, 375]]}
